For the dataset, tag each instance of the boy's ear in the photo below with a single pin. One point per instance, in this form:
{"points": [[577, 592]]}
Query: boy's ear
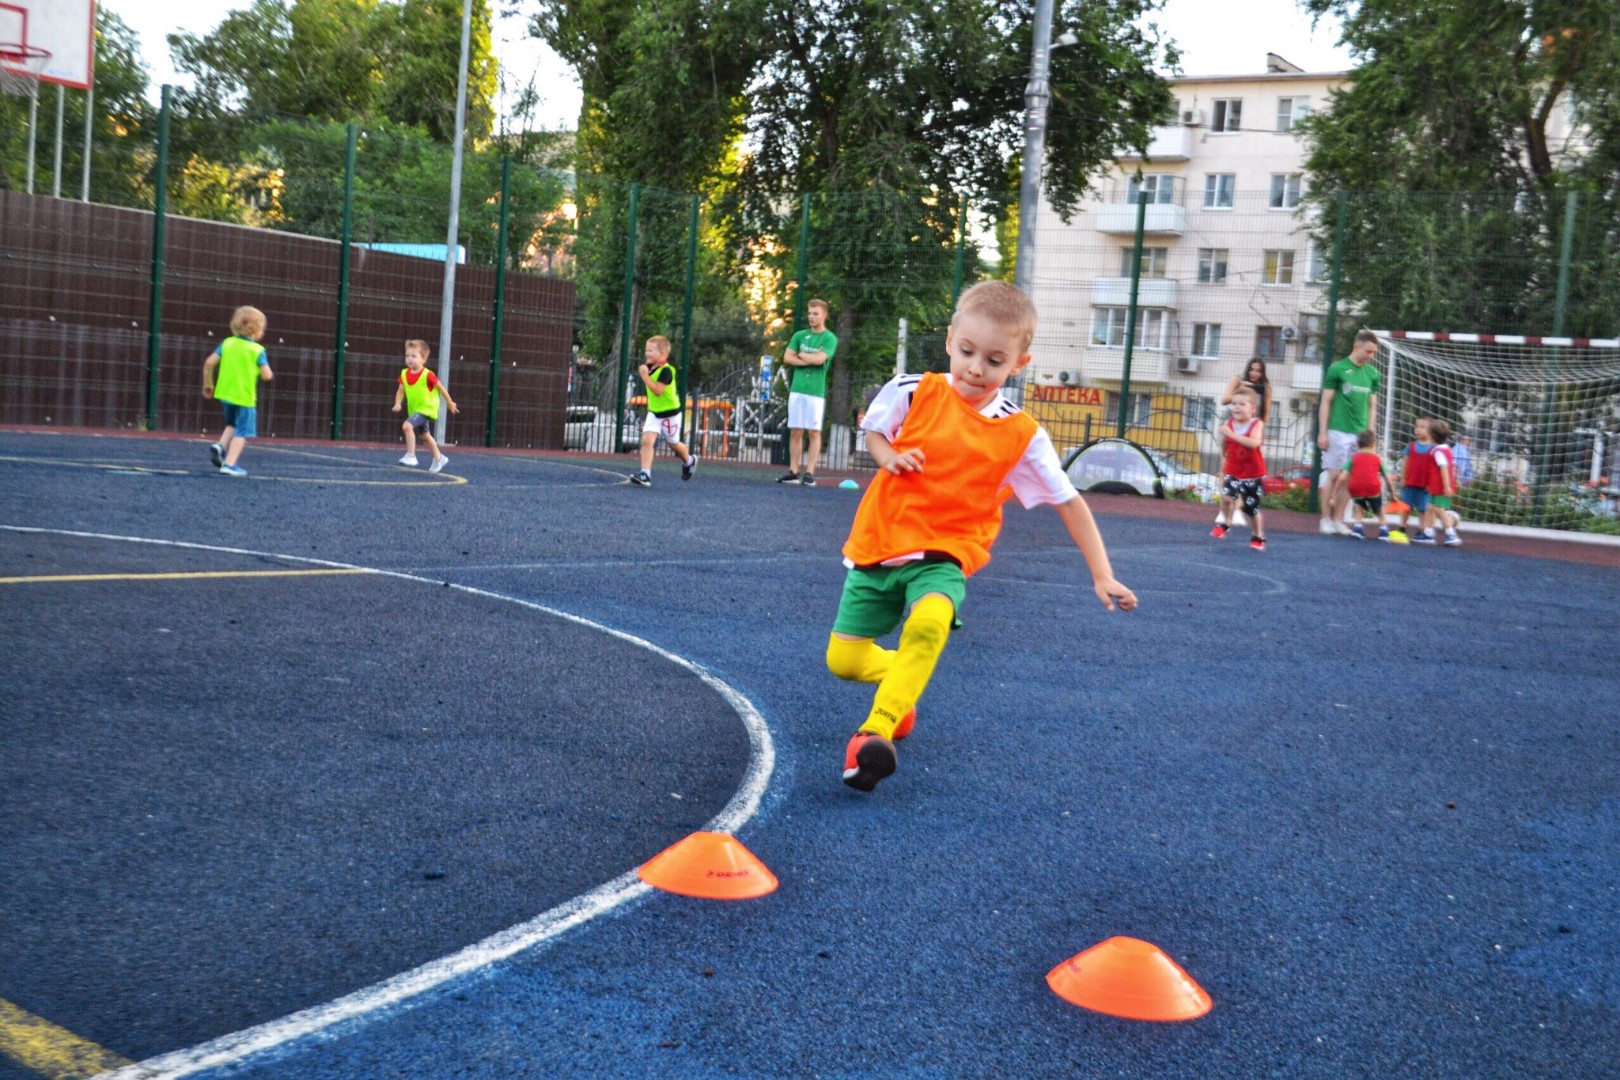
{"points": [[1021, 363]]}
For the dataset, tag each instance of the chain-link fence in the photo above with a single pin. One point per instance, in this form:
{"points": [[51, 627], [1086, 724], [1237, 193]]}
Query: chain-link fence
{"points": [[1155, 300]]}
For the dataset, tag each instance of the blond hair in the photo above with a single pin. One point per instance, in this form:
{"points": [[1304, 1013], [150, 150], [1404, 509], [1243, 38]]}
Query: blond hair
{"points": [[419, 345], [247, 322], [1002, 304], [822, 304], [659, 342]]}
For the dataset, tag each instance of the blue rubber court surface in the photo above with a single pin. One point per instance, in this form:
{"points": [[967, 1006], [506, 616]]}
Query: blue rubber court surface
{"points": [[344, 770]]}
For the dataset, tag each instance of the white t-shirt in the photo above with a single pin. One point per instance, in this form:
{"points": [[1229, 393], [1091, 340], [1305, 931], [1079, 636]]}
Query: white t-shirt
{"points": [[1037, 480]]}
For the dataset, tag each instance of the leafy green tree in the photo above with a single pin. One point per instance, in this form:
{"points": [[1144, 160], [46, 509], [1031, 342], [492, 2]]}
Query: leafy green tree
{"points": [[1445, 139]]}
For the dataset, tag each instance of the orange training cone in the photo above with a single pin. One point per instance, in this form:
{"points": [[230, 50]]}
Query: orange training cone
{"points": [[711, 866], [1127, 977]]}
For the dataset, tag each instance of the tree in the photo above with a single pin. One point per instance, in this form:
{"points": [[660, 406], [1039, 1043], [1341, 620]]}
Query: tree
{"points": [[1458, 191]]}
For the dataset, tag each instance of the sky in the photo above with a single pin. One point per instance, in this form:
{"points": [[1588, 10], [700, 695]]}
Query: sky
{"points": [[1212, 41]]}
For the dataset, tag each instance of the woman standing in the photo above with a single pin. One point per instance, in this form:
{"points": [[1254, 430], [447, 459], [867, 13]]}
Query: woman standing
{"points": [[1253, 377]]}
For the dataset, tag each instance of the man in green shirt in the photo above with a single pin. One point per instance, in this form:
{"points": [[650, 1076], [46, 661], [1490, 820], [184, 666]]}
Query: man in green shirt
{"points": [[1349, 407], [807, 359]]}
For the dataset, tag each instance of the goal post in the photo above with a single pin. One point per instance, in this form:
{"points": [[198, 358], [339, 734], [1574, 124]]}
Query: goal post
{"points": [[1536, 419]]}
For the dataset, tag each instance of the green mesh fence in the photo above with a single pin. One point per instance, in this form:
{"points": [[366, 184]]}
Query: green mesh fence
{"points": [[562, 276]]}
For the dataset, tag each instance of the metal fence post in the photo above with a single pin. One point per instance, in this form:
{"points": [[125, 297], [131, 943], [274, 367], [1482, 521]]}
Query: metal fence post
{"points": [[342, 352], [961, 252], [499, 317], [624, 325], [1130, 312], [799, 297], [1329, 346], [1542, 472], [154, 316]]}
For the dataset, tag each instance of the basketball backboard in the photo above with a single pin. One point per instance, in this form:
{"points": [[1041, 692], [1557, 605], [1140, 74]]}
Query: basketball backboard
{"points": [[66, 29]]}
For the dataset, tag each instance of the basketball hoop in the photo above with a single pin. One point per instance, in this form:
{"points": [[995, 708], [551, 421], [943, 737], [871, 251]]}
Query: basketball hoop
{"points": [[20, 66]]}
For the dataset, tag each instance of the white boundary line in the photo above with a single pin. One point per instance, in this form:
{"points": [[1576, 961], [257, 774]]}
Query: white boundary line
{"points": [[235, 1047]]}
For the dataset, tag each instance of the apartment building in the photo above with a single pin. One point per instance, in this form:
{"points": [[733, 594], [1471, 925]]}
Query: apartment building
{"points": [[1228, 272]]}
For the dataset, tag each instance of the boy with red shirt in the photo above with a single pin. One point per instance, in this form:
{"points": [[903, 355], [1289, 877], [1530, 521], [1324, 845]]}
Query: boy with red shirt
{"points": [[951, 449], [1442, 486], [1368, 482], [1244, 468]]}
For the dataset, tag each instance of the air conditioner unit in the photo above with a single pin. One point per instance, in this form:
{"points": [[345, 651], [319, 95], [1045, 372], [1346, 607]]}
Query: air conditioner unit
{"points": [[1069, 377], [1299, 406], [1290, 333], [1187, 365], [1192, 117]]}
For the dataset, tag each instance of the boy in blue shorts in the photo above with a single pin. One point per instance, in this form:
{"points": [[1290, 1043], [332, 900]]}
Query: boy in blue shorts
{"points": [[1415, 475], [421, 390], [231, 376], [950, 450]]}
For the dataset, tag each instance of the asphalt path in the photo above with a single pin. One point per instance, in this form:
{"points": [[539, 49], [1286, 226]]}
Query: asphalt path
{"points": [[1364, 795]]}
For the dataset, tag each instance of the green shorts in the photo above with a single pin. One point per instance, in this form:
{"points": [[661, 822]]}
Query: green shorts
{"points": [[875, 600], [1440, 502]]}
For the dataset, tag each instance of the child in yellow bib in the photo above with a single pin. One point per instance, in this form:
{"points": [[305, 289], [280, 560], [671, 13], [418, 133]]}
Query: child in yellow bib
{"points": [[951, 449], [421, 390], [231, 376]]}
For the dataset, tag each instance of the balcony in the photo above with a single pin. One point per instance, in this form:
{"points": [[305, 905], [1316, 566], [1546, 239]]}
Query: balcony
{"points": [[1162, 219], [1105, 364], [1170, 143], [1150, 292]]}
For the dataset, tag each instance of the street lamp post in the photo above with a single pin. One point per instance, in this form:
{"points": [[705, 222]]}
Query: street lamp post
{"points": [[1037, 99]]}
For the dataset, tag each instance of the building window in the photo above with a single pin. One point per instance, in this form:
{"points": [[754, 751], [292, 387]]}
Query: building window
{"points": [[1316, 267], [1228, 114], [1152, 327], [1285, 189], [1154, 261], [1197, 413], [1206, 339], [1279, 268], [1268, 342], [1212, 266], [1218, 189], [1158, 189], [1310, 334], [1290, 111], [1140, 410]]}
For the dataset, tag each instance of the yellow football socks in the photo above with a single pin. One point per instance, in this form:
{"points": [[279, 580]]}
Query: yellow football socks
{"points": [[863, 660], [911, 665]]}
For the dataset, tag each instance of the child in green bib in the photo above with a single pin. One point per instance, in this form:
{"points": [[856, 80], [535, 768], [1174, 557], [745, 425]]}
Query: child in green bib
{"points": [[231, 376]]}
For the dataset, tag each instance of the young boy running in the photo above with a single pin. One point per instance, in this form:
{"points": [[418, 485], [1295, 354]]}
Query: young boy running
{"points": [[421, 389], [231, 376], [1244, 468], [663, 412], [951, 450]]}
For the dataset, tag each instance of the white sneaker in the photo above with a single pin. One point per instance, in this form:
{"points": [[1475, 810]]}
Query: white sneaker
{"points": [[1325, 527], [439, 462], [1453, 540], [1341, 529], [408, 459]]}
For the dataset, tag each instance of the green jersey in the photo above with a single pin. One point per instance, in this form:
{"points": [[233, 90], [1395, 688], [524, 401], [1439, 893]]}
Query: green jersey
{"points": [[811, 380], [237, 380], [1353, 387]]}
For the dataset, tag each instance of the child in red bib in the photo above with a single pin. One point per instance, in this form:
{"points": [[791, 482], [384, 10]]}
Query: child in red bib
{"points": [[1244, 468], [1368, 485]]}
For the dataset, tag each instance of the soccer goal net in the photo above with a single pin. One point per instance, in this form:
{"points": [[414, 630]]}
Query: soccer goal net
{"points": [[1536, 422]]}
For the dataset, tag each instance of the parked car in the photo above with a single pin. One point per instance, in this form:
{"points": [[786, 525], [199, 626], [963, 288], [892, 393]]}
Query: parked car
{"points": [[1121, 467], [1293, 478]]}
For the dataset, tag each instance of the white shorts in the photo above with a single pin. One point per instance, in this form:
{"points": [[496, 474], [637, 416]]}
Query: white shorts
{"points": [[667, 426], [1341, 447], [805, 411]]}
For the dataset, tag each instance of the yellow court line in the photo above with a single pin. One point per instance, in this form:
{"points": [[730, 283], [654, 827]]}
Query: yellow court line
{"points": [[40, 1046], [111, 466], [438, 479], [47, 578]]}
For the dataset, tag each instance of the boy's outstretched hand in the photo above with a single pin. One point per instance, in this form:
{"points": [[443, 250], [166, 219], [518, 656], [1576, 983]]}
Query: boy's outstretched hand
{"points": [[1111, 592], [906, 461]]}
